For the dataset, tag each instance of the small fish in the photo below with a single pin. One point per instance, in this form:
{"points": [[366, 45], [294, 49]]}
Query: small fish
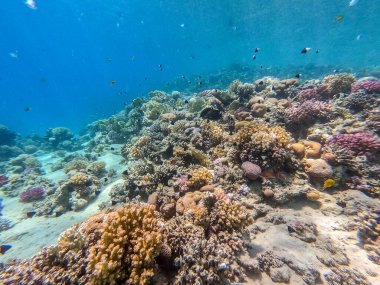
{"points": [[5, 248], [27, 109], [109, 59], [353, 3], [31, 4], [186, 101], [254, 57], [182, 25], [328, 183], [317, 51], [257, 50], [30, 214], [359, 37], [200, 83], [305, 50], [112, 82], [339, 18], [298, 75], [14, 54]]}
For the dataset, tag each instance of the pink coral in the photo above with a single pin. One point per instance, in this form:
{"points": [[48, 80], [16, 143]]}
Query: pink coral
{"points": [[370, 86], [358, 143], [32, 194], [309, 111], [308, 94], [251, 171]]}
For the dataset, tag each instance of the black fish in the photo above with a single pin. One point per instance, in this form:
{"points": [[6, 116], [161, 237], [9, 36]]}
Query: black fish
{"points": [[318, 51], [298, 75], [254, 57], [5, 248], [305, 50], [27, 109], [257, 49], [30, 214]]}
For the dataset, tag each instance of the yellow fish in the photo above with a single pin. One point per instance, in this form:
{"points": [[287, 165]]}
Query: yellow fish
{"points": [[328, 183]]}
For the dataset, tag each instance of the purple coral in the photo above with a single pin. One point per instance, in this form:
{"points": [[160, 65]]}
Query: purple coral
{"points": [[32, 194], [370, 86], [251, 171], [309, 94], [358, 143], [309, 111]]}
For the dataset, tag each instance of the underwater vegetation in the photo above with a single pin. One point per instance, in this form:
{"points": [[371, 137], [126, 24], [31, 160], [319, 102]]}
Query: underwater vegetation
{"points": [[207, 187]]}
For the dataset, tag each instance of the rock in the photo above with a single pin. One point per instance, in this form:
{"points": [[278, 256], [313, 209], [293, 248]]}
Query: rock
{"points": [[313, 195], [268, 193], [207, 188], [281, 274], [299, 149], [318, 168], [251, 171]]}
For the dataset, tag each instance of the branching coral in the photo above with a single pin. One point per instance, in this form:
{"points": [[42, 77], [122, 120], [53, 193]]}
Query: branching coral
{"points": [[114, 248], [338, 83], [126, 251], [357, 143], [199, 177], [230, 216], [263, 145]]}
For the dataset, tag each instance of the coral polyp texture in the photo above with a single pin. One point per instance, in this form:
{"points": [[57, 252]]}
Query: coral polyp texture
{"points": [[263, 182]]}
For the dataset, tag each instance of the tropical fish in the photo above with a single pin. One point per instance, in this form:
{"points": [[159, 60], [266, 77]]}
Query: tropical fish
{"points": [[329, 183], [305, 50], [4, 248], [353, 3]]}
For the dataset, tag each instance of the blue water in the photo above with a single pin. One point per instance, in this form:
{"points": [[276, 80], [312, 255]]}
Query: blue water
{"points": [[68, 51]]}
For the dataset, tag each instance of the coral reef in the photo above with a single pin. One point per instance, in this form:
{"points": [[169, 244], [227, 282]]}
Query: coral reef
{"points": [[236, 180], [7, 137]]}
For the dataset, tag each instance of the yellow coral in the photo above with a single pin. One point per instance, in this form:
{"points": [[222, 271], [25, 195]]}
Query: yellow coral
{"points": [[126, 251], [134, 152], [230, 216], [214, 131], [200, 177], [79, 179], [338, 83]]}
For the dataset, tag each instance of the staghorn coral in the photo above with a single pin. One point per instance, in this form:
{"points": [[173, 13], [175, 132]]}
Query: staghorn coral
{"points": [[126, 251]]}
